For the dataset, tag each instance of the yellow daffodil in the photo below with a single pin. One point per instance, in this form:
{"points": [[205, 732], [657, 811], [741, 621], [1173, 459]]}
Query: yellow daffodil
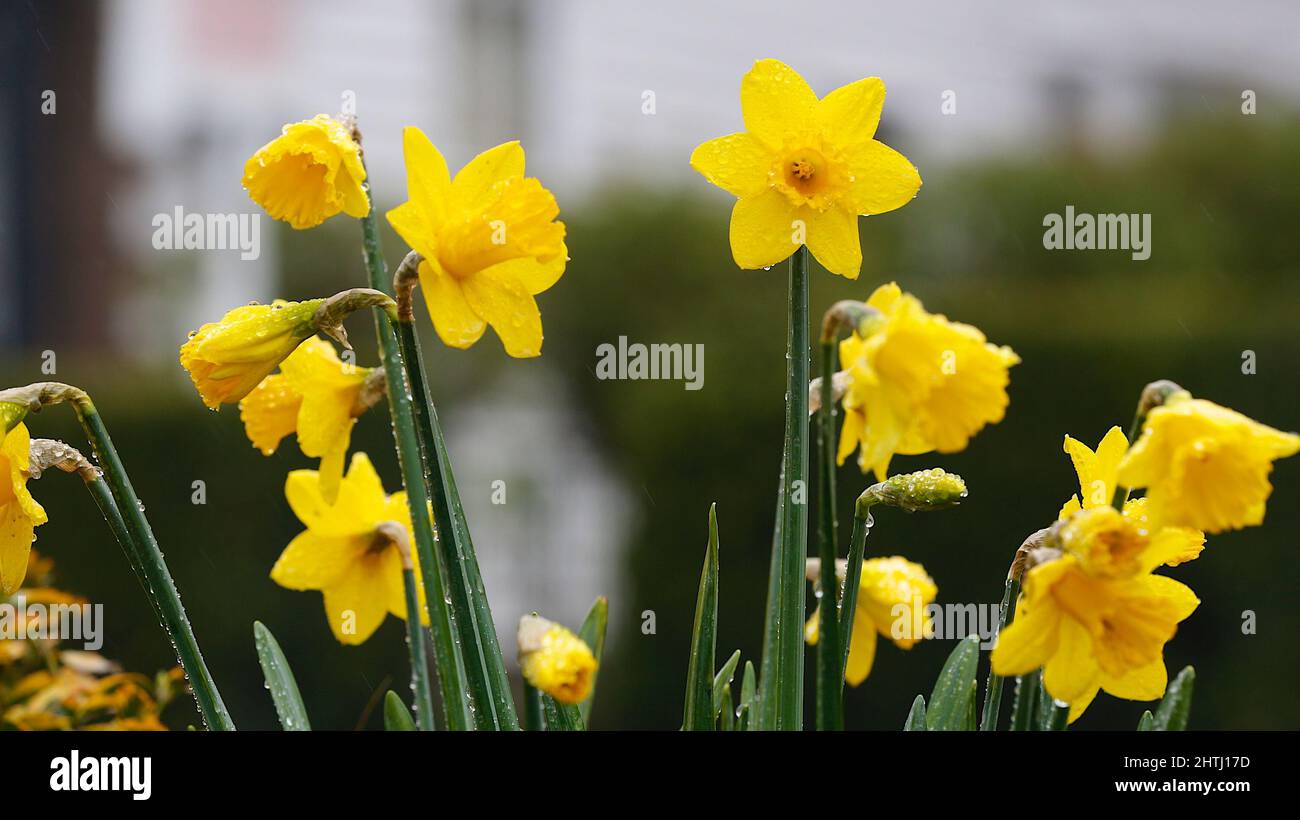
{"points": [[1095, 617], [804, 169], [918, 383], [309, 173], [1097, 473], [1203, 465], [344, 554], [227, 359], [314, 395], [490, 242], [20, 514], [554, 660], [892, 598]]}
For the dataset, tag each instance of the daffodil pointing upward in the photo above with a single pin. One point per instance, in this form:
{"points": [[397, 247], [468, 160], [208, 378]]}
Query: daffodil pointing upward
{"points": [[805, 169]]}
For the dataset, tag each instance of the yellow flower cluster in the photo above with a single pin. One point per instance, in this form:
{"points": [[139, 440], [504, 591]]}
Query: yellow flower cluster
{"points": [[554, 660], [918, 382], [893, 594]]}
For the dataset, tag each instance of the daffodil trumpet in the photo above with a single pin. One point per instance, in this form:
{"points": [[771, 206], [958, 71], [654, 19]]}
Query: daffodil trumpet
{"points": [[130, 523]]}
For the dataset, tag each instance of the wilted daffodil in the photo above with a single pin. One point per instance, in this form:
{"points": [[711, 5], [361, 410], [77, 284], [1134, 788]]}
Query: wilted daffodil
{"points": [[554, 660], [309, 173], [1092, 614], [1203, 465], [227, 359], [490, 242], [344, 552], [20, 514], [893, 595], [1097, 475], [918, 382], [804, 169], [316, 396]]}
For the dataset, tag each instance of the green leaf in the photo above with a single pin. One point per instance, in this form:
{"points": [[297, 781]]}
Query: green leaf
{"points": [[698, 712], [560, 717], [781, 684], [993, 689], [829, 704], [916, 717], [593, 635], [397, 718], [748, 689], [1051, 718], [724, 704], [279, 679], [1146, 723], [722, 681], [1025, 705], [1176, 706], [951, 701]]}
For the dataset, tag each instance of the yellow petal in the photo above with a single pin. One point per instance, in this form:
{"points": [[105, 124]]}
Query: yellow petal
{"points": [[883, 179], [833, 240], [473, 186], [505, 304], [1143, 683], [1029, 641], [16, 536], [358, 604], [1080, 704], [1172, 546], [324, 420], [1072, 671], [850, 435], [775, 101], [862, 650], [850, 114], [361, 501], [428, 182], [270, 412], [536, 275], [331, 467], [763, 230], [315, 562], [1178, 594], [455, 321], [414, 224], [737, 163]]}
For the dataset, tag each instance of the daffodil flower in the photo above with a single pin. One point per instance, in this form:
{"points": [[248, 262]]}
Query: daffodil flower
{"points": [[804, 169], [893, 594], [1095, 618], [309, 173], [227, 359], [918, 383], [20, 514], [344, 553], [316, 396], [554, 660], [489, 240], [1097, 473], [1204, 465]]}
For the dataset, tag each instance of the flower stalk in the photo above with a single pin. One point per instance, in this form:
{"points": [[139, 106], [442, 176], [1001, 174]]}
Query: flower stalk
{"points": [[420, 684], [830, 668], [472, 614]]}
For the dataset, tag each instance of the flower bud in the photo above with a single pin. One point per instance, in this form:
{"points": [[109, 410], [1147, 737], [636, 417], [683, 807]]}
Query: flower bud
{"points": [[921, 491], [554, 660]]}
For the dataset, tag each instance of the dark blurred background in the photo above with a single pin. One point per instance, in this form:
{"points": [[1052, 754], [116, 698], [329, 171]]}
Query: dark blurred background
{"points": [[1110, 107]]}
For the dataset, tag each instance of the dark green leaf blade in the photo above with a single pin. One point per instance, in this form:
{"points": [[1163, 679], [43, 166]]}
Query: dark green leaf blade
{"points": [[950, 702], [916, 717], [279, 679], [1176, 706], [397, 718], [593, 635], [698, 712]]}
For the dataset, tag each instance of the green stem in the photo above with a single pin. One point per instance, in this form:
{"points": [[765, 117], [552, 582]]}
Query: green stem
{"points": [[795, 527], [1026, 703], [476, 631], [830, 672], [993, 689], [103, 495], [156, 576], [533, 721], [862, 523], [458, 704], [419, 656]]}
